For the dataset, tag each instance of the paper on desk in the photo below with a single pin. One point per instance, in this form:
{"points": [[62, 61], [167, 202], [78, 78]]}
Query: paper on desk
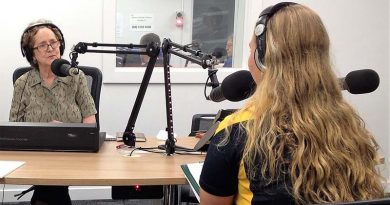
{"points": [[139, 137], [110, 137], [7, 167], [163, 135]]}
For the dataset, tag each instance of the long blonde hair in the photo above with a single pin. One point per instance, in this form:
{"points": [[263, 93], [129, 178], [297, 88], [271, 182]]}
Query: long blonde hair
{"points": [[301, 121]]}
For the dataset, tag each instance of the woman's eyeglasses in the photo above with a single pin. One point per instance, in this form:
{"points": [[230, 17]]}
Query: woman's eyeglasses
{"points": [[44, 47]]}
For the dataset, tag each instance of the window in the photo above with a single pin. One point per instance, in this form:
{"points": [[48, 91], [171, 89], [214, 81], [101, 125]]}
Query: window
{"points": [[213, 26]]}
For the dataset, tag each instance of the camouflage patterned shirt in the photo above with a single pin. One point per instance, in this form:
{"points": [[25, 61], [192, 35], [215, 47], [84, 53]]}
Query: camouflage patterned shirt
{"points": [[67, 100]]}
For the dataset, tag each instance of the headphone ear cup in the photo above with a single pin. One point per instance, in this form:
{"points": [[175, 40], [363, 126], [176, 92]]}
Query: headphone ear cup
{"points": [[258, 63], [28, 54], [62, 46], [260, 30]]}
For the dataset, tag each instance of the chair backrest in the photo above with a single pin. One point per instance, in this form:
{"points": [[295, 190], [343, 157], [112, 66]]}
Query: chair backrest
{"points": [[94, 79], [201, 122], [382, 201]]}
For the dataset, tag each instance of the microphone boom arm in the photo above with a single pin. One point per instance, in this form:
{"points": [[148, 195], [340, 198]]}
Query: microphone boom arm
{"points": [[152, 50], [202, 59], [82, 48]]}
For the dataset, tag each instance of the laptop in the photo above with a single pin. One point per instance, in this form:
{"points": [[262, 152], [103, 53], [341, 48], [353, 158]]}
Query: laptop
{"points": [[203, 144], [74, 137]]}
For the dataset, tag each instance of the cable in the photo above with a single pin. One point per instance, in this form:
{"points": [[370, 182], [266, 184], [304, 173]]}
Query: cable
{"points": [[190, 153], [179, 150], [182, 150], [205, 86], [147, 149], [211, 73], [2, 198]]}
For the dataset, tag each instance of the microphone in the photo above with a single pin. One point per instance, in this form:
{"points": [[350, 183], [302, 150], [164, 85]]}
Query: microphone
{"points": [[62, 68], [360, 81], [240, 85], [235, 87]]}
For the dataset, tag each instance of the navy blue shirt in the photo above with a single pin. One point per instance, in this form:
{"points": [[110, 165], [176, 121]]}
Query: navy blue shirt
{"points": [[221, 173]]}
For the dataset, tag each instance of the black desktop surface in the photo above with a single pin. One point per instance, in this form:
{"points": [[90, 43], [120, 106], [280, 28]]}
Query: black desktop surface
{"points": [[76, 137]]}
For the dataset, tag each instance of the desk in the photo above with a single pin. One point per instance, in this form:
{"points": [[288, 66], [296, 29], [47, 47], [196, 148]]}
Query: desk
{"points": [[107, 167]]}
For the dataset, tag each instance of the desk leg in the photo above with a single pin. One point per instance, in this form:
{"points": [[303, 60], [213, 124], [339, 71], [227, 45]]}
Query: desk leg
{"points": [[170, 195]]}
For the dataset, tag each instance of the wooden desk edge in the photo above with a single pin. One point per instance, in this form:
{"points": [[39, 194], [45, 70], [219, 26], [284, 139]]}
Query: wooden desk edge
{"points": [[108, 147], [93, 182]]}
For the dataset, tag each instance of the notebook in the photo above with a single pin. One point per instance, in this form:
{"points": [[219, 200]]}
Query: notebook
{"points": [[77, 137], [192, 173]]}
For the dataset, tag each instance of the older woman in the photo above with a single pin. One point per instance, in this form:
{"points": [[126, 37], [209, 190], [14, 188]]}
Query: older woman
{"points": [[41, 96]]}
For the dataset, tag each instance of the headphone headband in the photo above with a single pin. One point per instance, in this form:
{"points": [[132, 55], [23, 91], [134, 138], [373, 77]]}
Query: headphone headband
{"points": [[260, 31], [28, 52]]}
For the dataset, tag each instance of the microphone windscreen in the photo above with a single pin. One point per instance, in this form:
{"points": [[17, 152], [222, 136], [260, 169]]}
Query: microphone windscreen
{"points": [[216, 95], [238, 86], [56, 66], [362, 81]]}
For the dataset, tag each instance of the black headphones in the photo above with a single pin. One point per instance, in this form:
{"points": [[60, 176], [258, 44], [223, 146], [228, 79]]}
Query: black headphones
{"points": [[260, 31], [27, 51]]}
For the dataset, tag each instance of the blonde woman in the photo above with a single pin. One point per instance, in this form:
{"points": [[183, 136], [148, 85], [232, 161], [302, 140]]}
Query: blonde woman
{"points": [[296, 141]]}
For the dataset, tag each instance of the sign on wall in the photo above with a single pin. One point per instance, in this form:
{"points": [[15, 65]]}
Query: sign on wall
{"points": [[141, 22]]}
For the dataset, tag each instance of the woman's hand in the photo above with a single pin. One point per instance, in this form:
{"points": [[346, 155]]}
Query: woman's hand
{"points": [[90, 119], [200, 134]]}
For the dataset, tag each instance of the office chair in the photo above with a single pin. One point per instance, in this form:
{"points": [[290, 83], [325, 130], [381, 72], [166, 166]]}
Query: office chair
{"points": [[94, 79], [381, 201], [201, 122]]}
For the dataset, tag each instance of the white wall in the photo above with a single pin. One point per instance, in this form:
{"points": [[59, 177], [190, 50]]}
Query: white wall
{"points": [[81, 20], [359, 31]]}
